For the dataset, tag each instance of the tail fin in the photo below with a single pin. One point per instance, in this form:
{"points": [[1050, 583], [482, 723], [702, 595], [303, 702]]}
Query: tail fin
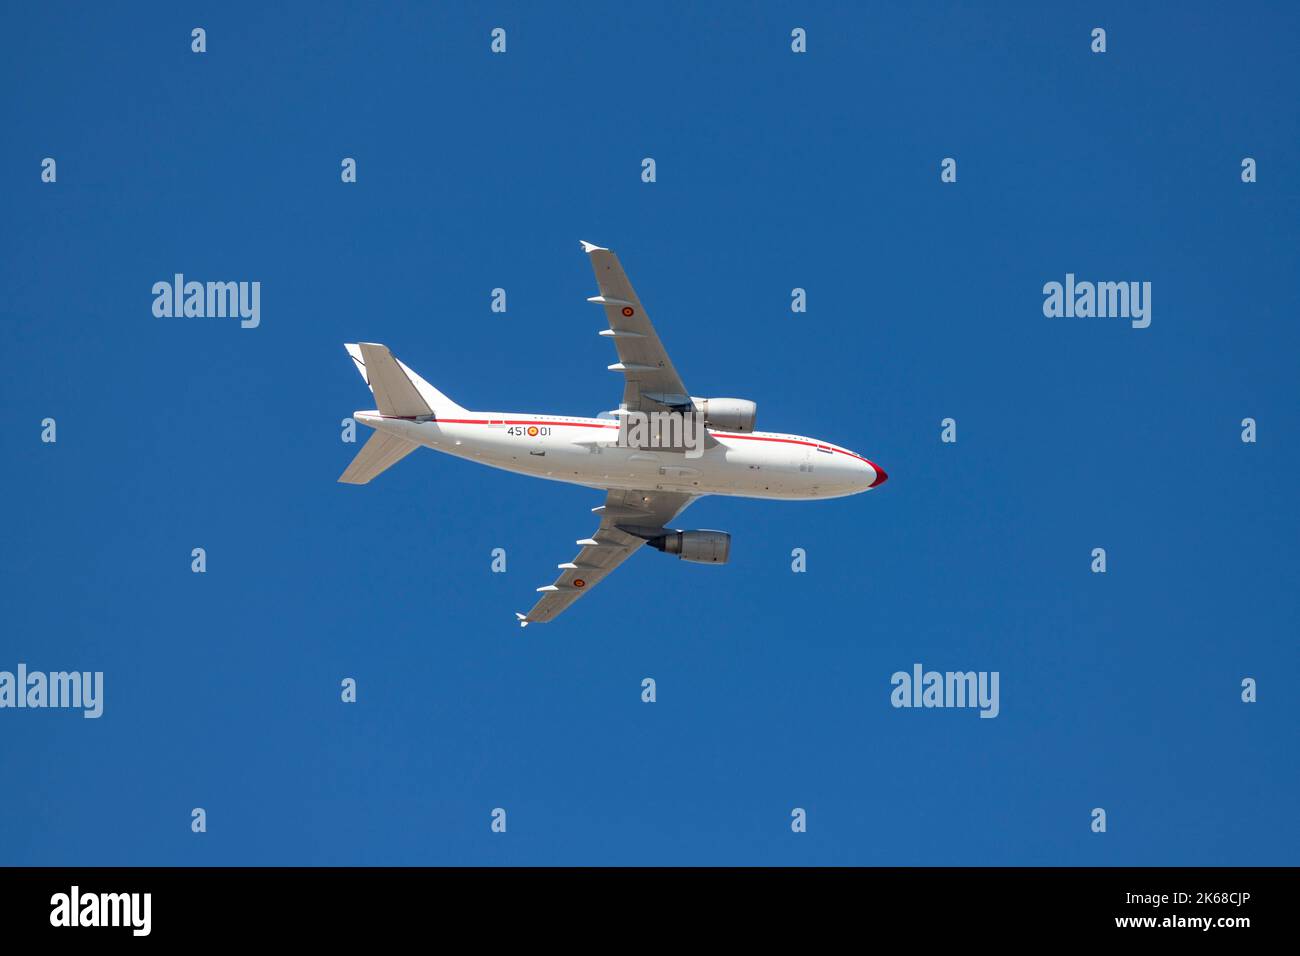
{"points": [[399, 392], [380, 453]]}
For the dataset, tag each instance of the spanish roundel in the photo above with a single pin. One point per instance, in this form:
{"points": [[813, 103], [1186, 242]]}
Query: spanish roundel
{"points": [[579, 583]]}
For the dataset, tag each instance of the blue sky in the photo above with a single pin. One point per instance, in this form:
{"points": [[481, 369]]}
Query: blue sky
{"points": [[774, 171]]}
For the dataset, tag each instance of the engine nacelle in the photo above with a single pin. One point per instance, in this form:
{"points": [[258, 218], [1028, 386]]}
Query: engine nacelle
{"points": [[703, 547], [727, 414]]}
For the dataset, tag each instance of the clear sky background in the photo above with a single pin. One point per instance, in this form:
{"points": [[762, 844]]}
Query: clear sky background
{"points": [[775, 171]]}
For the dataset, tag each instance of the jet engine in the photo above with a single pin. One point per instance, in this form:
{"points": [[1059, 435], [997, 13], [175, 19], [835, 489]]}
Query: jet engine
{"points": [[727, 414], [703, 547]]}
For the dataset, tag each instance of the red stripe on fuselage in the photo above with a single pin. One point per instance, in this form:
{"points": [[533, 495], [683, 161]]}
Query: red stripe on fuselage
{"points": [[523, 421]]}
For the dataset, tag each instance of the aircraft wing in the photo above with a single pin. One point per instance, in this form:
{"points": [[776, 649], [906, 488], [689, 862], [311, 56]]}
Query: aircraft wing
{"points": [[645, 365], [607, 548]]}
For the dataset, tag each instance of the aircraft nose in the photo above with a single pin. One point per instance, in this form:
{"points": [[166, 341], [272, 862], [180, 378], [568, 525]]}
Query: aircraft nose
{"points": [[880, 478]]}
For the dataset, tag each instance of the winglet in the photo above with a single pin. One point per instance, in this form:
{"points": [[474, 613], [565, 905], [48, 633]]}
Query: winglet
{"points": [[590, 247], [523, 619]]}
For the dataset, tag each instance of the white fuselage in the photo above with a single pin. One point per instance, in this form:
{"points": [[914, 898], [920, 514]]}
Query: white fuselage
{"points": [[585, 451]]}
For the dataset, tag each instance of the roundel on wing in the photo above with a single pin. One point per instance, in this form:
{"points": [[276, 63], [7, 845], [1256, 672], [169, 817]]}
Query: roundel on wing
{"points": [[532, 431], [628, 311], [579, 583]]}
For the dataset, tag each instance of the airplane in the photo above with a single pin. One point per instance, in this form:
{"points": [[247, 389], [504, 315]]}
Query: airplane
{"points": [[640, 455]]}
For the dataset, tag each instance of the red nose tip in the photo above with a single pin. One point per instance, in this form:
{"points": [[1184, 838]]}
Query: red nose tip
{"points": [[881, 477]]}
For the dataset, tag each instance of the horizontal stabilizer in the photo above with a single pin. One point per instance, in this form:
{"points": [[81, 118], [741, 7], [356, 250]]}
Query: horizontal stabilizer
{"points": [[380, 453]]}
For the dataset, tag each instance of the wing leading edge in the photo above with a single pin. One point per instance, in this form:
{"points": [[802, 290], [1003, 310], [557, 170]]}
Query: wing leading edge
{"points": [[607, 548], [651, 382]]}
